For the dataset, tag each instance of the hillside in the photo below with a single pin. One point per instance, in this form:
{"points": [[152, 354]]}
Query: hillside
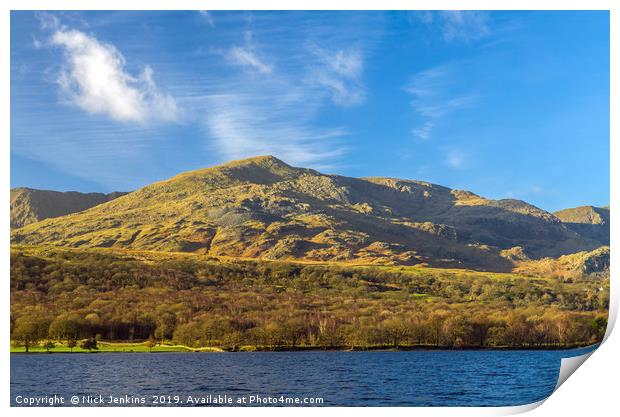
{"points": [[590, 222], [263, 208], [583, 265], [30, 205], [235, 304]]}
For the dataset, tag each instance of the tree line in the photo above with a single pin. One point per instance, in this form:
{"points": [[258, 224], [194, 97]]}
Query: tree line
{"points": [[73, 296]]}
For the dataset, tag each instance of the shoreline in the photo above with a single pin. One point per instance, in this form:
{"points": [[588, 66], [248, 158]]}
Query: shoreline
{"points": [[247, 349]]}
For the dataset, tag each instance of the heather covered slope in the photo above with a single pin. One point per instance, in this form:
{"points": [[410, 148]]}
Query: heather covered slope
{"points": [[29, 205], [263, 208], [590, 222]]}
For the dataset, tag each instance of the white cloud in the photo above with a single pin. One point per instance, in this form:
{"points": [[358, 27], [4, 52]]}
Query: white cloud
{"points": [[454, 25], [245, 57], [263, 109], [207, 17], [425, 16], [48, 21], [242, 125], [36, 43], [455, 159], [275, 113], [269, 107], [464, 25], [424, 131], [436, 94], [537, 189], [93, 77], [340, 73]]}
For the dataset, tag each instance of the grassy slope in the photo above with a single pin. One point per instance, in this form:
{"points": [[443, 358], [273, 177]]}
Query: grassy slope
{"points": [[152, 257], [534, 272]]}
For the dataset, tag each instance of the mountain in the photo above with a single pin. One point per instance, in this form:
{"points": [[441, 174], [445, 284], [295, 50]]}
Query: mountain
{"points": [[30, 205], [263, 208], [593, 264], [590, 222]]}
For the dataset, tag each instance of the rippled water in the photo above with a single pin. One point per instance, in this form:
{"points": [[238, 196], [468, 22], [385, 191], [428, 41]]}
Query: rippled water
{"points": [[408, 378]]}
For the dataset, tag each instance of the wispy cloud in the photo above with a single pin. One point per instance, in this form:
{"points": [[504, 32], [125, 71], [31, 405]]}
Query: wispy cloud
{"points": [[276, 112], [435, 95], [464, 25], [241, 126], [455, 159], [424, 131], [340, 72], [287, 75], [246, 57], [273, 115], [36, 43], [208, 17], [456, 25], [116, 150], [94, 78]]}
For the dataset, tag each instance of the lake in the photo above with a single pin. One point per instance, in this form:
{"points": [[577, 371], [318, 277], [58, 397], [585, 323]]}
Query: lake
{"points": [[385, 378]]}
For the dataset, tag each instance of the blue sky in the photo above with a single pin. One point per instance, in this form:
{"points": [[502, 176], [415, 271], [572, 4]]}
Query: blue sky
{"points": [[505, 104]]}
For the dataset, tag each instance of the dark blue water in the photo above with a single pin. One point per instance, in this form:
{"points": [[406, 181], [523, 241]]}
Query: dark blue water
{"points": [[410, 378]]}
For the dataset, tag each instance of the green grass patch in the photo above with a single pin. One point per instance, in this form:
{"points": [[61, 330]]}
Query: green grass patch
{"points": [[110, 347]]}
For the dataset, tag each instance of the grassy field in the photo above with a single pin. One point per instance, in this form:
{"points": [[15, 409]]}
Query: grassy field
{"points": [[113, 347]]}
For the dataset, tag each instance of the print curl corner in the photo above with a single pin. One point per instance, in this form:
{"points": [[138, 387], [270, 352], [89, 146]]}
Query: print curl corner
{"points": [[568, 366], [525, 408], [612, 315]]}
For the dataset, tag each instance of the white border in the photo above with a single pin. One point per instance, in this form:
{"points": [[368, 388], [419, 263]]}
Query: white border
{"points": [[592, 392]]}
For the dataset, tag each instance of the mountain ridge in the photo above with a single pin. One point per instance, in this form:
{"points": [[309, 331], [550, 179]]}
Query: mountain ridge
{"points": [[30, 205], [262, 207], [589, 221]]}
